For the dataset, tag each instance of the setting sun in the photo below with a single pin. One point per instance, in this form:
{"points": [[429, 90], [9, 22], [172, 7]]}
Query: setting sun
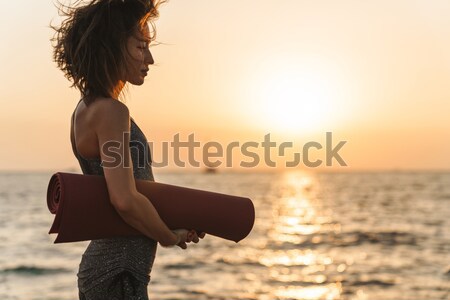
{"points": [[295, 99], [296, 102]]}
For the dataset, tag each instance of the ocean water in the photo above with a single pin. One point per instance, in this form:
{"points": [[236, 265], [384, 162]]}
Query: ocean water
{"points": [[374, 235]]}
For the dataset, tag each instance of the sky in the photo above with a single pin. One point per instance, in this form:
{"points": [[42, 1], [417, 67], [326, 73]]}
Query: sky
{"points": [[375, 74]]}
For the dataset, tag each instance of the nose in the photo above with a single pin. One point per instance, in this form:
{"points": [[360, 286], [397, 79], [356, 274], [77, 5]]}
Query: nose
{"points": [[149, 57]]}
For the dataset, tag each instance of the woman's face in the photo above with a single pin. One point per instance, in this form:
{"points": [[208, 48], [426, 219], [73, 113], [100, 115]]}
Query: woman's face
{"points": [[140, 57]]}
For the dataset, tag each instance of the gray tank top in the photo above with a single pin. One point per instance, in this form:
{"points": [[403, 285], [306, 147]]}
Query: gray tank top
{"points": [[106, 258]]}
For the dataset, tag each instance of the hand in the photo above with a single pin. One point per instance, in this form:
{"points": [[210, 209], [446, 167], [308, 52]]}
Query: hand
{"points": [[182, 236], [185, 236], [195, 237]]}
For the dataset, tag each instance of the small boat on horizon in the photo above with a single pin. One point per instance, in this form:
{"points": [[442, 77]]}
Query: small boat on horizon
{"points": [[210, 170]]}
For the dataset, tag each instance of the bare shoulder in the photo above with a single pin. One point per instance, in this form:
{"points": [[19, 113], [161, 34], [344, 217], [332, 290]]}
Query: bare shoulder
{"points": [[110, 114]]}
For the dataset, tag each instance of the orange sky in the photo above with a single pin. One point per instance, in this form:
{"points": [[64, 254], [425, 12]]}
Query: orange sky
{"points": [[375, 73]]}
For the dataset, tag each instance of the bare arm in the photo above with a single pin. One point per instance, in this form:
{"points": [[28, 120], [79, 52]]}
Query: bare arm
{"points": [[113, 121]]}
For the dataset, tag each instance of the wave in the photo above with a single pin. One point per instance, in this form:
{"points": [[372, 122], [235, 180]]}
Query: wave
{"points": [[354, 238], [368, 282], [32, 270], [239, 262], [180, 266]]}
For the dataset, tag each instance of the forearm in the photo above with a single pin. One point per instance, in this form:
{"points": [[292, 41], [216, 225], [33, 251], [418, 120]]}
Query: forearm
{"points": [[142, 215]]}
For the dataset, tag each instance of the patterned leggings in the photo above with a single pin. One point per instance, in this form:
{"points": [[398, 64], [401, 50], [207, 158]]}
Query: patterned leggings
{"points": [[122, 287]]}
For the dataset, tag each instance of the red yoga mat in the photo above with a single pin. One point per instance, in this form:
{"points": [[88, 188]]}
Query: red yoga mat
{"points": [[83, 211]]}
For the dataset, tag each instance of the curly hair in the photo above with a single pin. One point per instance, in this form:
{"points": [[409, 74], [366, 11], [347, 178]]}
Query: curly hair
{"points": [[90, 44]]}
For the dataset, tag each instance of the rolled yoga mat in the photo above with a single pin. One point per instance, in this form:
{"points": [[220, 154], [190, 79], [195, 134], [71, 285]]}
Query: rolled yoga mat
{"points": [[83, 210]]}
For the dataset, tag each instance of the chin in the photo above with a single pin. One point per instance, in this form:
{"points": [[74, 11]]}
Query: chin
{"points": [[137, 81]]}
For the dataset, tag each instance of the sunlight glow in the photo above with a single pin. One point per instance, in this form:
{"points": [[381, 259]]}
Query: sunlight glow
{"points": [[297, 98], [290, 258], [294, 258], [296, 215], [293, 101], [329, 292], [297, 218]]}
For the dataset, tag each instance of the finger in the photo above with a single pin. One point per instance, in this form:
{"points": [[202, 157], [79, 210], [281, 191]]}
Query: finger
{"points": [[182, 245], [195, 238], [201, 235], [189, 237]]}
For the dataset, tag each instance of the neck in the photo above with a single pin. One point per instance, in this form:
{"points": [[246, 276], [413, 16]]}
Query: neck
{"points": [[115, 93], [117, 90]]}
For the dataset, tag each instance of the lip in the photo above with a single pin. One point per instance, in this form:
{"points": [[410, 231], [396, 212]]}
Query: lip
{"points": [[144, 72]]}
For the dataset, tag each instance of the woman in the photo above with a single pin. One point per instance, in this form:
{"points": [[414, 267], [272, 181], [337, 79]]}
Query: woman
{"points": [[101, 46]]}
